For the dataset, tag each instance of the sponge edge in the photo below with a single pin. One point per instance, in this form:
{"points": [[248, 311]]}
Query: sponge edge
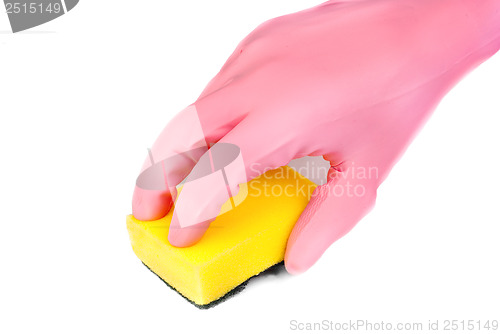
{"points": [[239, 244]]}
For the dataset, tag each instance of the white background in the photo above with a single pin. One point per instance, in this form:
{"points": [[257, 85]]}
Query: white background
{"points": [[84, 96]]}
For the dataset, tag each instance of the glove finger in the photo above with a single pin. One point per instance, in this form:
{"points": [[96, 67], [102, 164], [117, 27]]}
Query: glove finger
{"points": [[238, 157], [177, 149], [334, 209]]}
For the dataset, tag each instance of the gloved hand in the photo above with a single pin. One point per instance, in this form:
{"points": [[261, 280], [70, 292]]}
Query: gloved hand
{"points": [[352, 81]]}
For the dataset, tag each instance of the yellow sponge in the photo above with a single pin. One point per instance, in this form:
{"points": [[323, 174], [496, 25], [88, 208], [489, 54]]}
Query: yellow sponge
{"points": [[239, 244]]}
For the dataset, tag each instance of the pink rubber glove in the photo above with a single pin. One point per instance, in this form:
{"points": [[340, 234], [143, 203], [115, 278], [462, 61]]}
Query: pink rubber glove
{"points": [[352, 81]]}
